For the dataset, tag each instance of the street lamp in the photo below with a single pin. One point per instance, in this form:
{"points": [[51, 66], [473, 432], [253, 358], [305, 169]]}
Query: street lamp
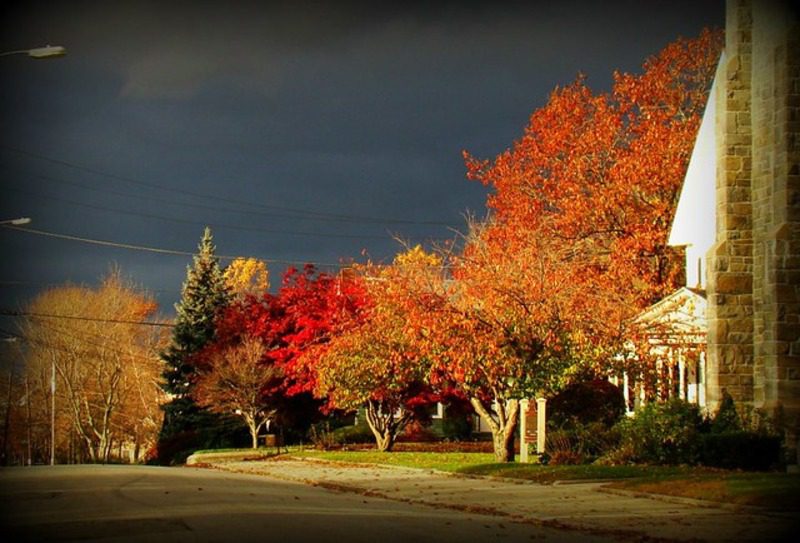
{"points": [[48, 51], [15, 222]]}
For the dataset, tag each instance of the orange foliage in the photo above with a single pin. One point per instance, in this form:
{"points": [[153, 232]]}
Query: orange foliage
{"points": [[593, 183]]}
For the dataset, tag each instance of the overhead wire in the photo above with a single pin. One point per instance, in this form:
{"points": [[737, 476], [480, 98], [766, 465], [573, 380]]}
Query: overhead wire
{"points": [[217, 198], [186, 221], [144, 248], [250, 212], [15, 313], [46, 284], [60, 348]]}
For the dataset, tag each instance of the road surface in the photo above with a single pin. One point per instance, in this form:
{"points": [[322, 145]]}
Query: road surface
{"points": [[141, 503]]}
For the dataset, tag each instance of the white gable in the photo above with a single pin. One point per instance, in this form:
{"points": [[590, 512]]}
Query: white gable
{"points": [[694, 224], [678, 318]]}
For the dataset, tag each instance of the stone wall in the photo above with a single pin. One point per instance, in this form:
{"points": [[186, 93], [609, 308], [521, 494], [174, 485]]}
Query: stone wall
{"points": [[730, 281], [754, 272]]}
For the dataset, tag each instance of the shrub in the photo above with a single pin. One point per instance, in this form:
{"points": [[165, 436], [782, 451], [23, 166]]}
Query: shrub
{"points": [[457, 421], [665, 433], [741, 449], [726, 419], [321, 436], [587, 402], [353, 434], [417, 431], [576, 443]]}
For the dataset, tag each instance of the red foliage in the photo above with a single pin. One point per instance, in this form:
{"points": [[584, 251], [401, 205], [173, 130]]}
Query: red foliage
{"points": [[303, 312]]}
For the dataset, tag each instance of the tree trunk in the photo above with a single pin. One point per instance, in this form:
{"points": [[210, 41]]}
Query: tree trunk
{"points": [[385, 426], [502, 420], [384, 441], [253, 427]]}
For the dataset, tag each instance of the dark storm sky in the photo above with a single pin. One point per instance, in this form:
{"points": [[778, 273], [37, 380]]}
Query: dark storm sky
{"points": [[301, 133]]}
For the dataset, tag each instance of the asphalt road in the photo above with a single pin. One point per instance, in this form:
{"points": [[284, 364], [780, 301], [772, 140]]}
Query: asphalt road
{"points": [[138, 503]]}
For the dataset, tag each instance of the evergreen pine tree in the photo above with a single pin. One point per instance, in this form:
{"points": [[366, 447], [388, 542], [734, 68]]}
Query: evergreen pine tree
{"points": [[186, 426]]}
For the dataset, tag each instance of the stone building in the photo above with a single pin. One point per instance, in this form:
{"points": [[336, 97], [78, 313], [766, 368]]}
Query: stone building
{"points": [[753, 272]]}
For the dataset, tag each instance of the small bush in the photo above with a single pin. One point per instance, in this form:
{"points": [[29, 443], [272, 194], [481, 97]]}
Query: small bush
{"points": [[562, 448], [321, 436], [726, 419], [576, 443], [566, 458], [741, 449], [353, 434], [417, 431], [665, 433]]}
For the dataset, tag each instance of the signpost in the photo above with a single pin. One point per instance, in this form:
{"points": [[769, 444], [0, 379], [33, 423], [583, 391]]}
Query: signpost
{"points": [[532, 426]]}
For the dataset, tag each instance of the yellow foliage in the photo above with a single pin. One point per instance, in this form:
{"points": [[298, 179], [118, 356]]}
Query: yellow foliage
{"points": [[416, 256], [247, 276]]}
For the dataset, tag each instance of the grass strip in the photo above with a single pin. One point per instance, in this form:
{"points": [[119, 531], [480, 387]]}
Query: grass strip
{"points": [[446, 461]]}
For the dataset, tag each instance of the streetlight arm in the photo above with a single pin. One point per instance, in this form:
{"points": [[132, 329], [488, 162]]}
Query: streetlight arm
{"points": [[15, 222], [48, 51]]}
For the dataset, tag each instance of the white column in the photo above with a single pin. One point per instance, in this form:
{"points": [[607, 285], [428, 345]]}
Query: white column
{"points": [[701, 380], [541, 420], [523, 430], [681, 376], [626, 393]]}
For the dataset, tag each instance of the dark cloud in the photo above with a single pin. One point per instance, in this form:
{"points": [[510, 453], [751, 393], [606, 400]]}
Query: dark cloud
{"points": [[341, 109]]}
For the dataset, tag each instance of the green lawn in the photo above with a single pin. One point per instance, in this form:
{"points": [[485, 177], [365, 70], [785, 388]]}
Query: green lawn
{"points": [[779, 491], [445, 461]]}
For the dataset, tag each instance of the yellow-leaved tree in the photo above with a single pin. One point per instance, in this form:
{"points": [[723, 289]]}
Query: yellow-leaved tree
{"points": [[247, 277]]}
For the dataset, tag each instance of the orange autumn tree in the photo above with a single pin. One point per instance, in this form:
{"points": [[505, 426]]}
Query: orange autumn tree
{"points": [[372, 361], [596, 177], [606, 169], [490, 331], [576, 243]]}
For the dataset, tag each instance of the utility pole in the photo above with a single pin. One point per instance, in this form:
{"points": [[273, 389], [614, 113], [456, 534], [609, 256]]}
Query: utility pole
{"points": [[28, 401], [8, 413], [53, 413], [8, 402]]}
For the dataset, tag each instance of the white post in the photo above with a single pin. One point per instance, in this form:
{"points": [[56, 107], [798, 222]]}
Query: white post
{"points": [[626, 393], [701, 380], [523, 430], [541, 419], [681, 375]]}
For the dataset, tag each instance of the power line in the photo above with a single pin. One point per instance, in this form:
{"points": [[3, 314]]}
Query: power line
{"points": [[157, 250], [130, 180], [186, 221], [11, 313], [39, 284], [238, 211], [61, 348]]}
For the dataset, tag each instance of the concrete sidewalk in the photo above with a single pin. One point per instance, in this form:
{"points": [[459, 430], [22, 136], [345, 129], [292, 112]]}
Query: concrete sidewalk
{"points": [[584, 507]]}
